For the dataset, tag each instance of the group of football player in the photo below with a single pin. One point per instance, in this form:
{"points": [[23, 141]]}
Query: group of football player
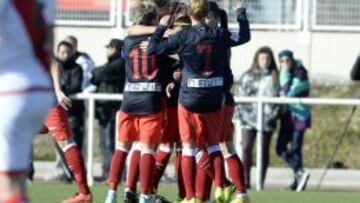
{"points": [[176, 98]]}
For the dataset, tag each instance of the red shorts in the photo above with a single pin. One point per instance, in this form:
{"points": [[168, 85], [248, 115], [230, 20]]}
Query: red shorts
{"points": [[227, 129], [203, 129], [57, 124], [171, 128], [146, 129]]}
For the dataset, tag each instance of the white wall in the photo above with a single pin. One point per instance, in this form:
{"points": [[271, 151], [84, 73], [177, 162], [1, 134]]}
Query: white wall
{"points": [[91, 40], [328, 56], [333, 55]]}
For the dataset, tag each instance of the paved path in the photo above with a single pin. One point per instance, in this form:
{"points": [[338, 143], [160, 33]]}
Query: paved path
{"points": [[277, 178]]}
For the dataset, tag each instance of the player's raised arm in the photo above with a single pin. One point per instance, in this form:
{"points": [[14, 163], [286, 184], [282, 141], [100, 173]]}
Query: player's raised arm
{"points": [[244, 34]]}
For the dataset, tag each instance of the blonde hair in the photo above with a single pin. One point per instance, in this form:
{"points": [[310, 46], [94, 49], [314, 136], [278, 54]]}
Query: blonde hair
{"points": [[143, 13], [198, 9]]}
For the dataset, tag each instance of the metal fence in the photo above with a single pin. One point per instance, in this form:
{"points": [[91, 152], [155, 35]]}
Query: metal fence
{"points": [[91, 98], [86, 12], [337, 15]]}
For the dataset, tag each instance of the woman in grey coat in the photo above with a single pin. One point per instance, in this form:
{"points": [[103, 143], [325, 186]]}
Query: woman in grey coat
{"points": [[261, 80]]}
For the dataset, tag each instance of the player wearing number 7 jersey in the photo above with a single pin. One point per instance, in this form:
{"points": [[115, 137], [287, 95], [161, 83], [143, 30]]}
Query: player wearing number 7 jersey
{"points": [[202, 51], [141, 115]]}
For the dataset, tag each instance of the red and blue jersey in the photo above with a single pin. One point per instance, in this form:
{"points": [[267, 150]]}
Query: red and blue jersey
{"points": [[144, 81], [202, 51]]}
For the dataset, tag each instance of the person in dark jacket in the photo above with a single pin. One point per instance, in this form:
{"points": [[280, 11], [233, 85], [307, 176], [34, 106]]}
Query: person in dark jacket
{"points": [[87, 66], [109, 78], [355, 72], [83, 59]]}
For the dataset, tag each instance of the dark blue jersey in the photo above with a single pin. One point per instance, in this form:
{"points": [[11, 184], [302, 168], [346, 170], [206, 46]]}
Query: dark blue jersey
{"points": [[143, 87], [228, 75], [202, 51], [229, 99]]}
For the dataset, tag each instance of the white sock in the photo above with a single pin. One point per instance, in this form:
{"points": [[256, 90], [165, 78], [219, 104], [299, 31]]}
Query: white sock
{"points": [[243, 196], [128, 190], [146, 196], [111, 192]]}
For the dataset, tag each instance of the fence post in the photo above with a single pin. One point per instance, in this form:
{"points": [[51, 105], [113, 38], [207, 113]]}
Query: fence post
{"points": [[90, 134], [259, 148]]}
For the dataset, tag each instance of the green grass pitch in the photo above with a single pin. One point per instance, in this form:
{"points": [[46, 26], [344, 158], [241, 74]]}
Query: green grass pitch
{"points": [[55, 193]]}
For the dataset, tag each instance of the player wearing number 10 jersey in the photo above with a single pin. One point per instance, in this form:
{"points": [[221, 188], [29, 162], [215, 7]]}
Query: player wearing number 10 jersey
{"points": [[141, 115]]}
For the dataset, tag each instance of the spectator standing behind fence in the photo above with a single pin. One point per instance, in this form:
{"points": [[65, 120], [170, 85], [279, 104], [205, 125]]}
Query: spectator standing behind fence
{"points": [[295, 118], [262, 80], [76, 117], [355, 71], [84, 60], [109, 78]]}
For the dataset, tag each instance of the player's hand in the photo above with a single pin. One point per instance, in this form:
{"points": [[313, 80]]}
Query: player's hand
{"points": [[144, 45], [165, 20], [241, 4], [63, 100], [169, 88]]}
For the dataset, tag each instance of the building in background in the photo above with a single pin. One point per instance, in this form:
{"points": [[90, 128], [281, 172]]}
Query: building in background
{"points": [[323, 32]]}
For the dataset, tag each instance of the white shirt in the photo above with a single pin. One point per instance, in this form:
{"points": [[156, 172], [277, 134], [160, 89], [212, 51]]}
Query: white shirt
{"points": [[14, 39], [19, 67]]}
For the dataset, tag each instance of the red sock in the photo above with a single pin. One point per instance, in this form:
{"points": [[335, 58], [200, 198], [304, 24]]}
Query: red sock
{"points": [[77, 167], [236, 172], [16, 199], [179, 176], [208, 183], [201, 181], [188, 171], [217, 160], [147, 164], [204, 162], [116, 168], [162, 159], [133, 173]]}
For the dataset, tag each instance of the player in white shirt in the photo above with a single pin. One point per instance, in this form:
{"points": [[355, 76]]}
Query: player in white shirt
{"points": [[25, 90]]}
